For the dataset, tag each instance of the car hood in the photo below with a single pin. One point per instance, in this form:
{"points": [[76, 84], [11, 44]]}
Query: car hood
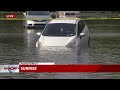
{"points": [[38, 16], [55, 41]]}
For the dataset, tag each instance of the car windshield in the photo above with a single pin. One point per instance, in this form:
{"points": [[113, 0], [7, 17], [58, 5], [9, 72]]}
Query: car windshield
{"points": [[38, 12], [59, 29]]}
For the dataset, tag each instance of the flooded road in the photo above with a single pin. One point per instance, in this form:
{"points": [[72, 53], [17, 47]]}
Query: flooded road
{"points": [[18, 45]]}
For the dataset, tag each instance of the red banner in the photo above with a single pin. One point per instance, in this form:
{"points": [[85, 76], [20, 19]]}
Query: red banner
{"points": [[9, 15], [69, 68]]}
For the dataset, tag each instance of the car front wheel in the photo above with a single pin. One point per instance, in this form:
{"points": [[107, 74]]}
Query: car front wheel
{"points": [[89, 42], [25, 25]]}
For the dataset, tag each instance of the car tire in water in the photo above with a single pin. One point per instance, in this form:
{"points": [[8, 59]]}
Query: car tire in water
{"points": [[25, 25], [89, 41]]}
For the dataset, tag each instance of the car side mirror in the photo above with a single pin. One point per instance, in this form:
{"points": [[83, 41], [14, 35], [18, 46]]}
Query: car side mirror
{"points": [[38, 33], [81, 35], [24, 14]]}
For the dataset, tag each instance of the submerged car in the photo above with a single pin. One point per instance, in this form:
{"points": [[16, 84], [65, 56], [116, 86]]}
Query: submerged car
{"points": [[36, 18], [67, 32]]}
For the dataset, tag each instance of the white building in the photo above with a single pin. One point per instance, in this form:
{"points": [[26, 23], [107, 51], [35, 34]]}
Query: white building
{"points": [[63, 14]]}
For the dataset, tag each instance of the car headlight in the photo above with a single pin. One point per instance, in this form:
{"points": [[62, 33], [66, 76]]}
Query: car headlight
{"points": [[38, 44], [29, 21], [71, 44]]}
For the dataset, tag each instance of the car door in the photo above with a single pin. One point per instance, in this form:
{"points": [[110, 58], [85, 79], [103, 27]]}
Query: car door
{"points": [[81, 30]]}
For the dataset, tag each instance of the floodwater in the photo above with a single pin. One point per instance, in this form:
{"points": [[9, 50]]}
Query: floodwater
{"points": [[18, 45]]}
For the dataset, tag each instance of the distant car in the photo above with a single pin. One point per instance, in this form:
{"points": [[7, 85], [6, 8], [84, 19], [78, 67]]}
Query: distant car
{"points": [[68, 33], [36, 18]]}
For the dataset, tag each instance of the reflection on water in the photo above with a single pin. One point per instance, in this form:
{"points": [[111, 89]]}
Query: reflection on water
{"points": [[19, 46]]}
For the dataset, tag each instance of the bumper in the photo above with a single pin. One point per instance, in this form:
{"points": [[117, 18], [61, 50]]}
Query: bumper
{"points": [[34, 23]]}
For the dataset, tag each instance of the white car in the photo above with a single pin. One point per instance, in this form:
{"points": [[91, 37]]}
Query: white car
{"points": [[64, 32], [36, 18]]}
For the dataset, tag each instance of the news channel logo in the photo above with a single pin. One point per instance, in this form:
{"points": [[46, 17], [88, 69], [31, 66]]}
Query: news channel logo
{"points": [[13, 68]]}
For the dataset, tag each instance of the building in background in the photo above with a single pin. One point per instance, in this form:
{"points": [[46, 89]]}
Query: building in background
{"points": [[98, 14], [63, 14], [87, 14]]}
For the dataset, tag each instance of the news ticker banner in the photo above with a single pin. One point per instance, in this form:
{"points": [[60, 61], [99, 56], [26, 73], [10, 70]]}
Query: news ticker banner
{"points": [[37, 67]]}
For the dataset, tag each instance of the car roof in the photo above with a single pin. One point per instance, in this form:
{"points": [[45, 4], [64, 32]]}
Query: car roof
{"points": [[65, 20]]}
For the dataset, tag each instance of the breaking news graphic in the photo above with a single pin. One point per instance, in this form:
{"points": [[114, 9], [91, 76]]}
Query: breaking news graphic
{"points": [[42, 67]]}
